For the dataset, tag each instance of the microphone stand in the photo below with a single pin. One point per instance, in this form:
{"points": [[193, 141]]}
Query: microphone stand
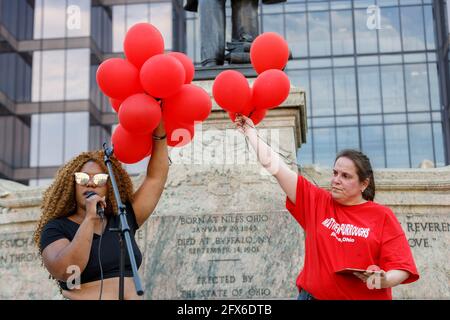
{"points": [[124, 232]]}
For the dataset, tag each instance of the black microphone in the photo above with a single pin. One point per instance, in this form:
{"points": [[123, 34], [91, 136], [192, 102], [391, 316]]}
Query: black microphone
{"points": [[100, 210]]}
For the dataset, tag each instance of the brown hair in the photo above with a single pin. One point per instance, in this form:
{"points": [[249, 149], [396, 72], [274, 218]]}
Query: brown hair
{"points": [[59, 198], [363, 169]]}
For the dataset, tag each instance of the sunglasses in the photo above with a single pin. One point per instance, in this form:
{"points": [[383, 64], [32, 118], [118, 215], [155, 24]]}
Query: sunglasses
{"points": [[98, 179]]}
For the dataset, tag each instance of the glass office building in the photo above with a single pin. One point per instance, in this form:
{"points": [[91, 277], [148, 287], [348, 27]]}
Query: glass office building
{"points": [[376, 74]]}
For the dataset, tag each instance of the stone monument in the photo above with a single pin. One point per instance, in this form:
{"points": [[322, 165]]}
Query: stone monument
{"points": [[245, 28]]}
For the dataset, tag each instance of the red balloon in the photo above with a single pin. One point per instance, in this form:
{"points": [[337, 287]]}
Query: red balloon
{"points": [[142, 42], [191, 103], [269, 51], [249, 107], [187, 64], [162, 76], [140, 114], [118, 78], [171, 124], [115, 104], [257, 116], [231, 91], [179, 135], [270, 89], [130, 148], [232, 116]]}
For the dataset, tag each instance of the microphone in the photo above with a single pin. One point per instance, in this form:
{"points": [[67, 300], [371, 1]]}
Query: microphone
{"points": [[100, 210]]}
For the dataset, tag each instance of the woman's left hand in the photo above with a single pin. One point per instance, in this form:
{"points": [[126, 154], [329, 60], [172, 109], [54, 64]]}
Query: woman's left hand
{"points": [[244, 124], [375, 279]]}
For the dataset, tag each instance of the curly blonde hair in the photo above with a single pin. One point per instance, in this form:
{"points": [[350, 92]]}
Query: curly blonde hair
{"points": [[59, 198]]}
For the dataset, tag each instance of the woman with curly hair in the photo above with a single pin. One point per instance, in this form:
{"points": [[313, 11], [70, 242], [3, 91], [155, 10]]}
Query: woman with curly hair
{"points": [[70, 231]]}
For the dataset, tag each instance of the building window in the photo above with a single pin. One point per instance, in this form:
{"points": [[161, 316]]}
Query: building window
{"points": [[417, 93], [345, 91], [157, 13], [57, 137], [97, 136], [101, 27], [60, 75], [15, 77], [369, 90], [392, 86], [366, 39], [397, 149], [17, 17], [296, 34], [421, 141], [372, 144], [347, 138], [413, 28], [389, 32], [324, 146], [322, 92], [342, 32], [62, 18], [319, 33]]}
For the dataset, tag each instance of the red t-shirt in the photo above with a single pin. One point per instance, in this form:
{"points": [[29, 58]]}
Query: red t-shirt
{"points": [[339, 237]]}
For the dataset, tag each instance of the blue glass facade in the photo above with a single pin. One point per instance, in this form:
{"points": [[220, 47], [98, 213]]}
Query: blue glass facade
{"points": [[370, 72]]}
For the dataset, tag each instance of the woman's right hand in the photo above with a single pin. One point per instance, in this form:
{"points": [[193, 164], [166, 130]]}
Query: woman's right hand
{"points": [[244, 124], [91, 206]]}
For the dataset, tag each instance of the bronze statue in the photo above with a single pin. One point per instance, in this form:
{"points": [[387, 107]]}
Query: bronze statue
{"points": [[244, 17]]}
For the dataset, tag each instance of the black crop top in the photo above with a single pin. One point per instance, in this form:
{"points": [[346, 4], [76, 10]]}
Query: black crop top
{"points": [[61, 228]]}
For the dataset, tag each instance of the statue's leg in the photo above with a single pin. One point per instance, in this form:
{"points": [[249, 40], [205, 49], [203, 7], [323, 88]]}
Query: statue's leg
{"points": [[245, 20], [212, 31]]}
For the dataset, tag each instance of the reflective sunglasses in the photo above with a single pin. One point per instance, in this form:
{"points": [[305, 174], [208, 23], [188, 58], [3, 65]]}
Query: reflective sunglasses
{"points": [[98, 179]]}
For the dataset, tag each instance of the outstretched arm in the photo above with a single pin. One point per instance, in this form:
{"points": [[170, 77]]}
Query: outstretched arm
{"points": [[147, 196], [269, 159]]}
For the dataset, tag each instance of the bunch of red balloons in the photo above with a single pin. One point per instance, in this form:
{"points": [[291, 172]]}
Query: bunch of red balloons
{"points": [[269, 54], [147, 86]]}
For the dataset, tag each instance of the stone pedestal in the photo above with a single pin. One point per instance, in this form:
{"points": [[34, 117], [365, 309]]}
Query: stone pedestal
{"points": [[221, 229]]}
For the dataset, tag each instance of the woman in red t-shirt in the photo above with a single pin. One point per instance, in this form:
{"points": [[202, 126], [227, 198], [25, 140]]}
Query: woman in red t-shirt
{"points": [[354, 247]]}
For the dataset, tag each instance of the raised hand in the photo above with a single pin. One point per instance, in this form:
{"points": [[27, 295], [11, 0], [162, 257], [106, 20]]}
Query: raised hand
{"points": [[244, 124]]}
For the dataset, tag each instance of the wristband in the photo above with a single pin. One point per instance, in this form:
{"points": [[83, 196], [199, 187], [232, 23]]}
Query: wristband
{"points": [[159, 138]]}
